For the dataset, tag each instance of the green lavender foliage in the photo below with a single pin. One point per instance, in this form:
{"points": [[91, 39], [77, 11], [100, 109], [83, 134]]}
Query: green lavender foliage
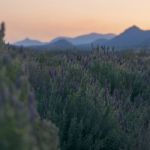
{"points": [[20, 124], [98, 100]]}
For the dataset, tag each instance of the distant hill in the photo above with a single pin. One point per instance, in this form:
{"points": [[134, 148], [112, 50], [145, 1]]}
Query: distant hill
{"points": [[130, 38], [146, 43], [86, 39], [28, 42], [92, 45], [60, 44], [89, 38], [99, 42]]}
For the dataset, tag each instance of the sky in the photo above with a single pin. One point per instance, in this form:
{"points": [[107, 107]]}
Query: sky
{"points": [[46, 19]]}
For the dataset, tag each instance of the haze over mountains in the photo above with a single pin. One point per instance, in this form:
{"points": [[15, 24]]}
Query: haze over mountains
{"points": [[130, 38]]}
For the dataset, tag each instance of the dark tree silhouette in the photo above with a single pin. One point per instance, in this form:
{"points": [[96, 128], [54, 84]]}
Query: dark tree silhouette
{"points": [[2, 32]]}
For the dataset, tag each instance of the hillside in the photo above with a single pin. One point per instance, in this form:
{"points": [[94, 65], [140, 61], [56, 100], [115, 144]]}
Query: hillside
{"points": [[132, 37]]}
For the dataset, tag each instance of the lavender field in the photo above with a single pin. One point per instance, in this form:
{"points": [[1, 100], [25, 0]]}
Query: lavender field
{"points": [[74, 100]]}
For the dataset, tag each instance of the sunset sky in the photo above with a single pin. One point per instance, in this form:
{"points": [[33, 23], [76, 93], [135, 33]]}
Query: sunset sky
{"points": [[46, 19]]}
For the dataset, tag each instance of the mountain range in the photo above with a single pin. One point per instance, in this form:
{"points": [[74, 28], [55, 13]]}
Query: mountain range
{"points": [[132, 37]]}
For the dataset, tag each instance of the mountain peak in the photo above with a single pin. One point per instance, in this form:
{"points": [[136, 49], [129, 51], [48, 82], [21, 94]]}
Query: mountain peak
{"points": [[28, 42], [133, 28], [27, 39], [130, 38]]}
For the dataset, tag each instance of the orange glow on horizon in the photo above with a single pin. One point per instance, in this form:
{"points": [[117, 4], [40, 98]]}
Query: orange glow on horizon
{"points": [[46, 19]]}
